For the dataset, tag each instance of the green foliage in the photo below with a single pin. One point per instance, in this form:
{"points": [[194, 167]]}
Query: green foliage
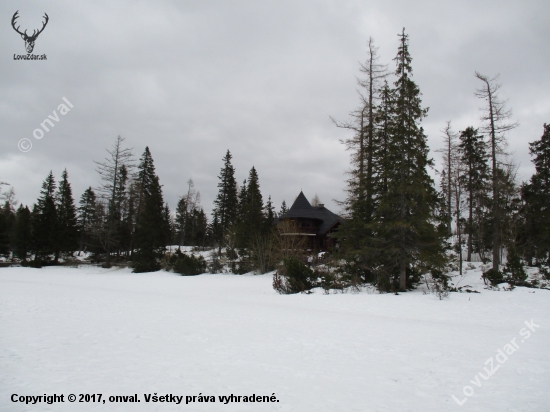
{"points": [[187, 265], [151, 226], [544, 270], [534, 237], [44, 221], [250, 217], [190, 224], [7, 221], [145, 260], [225, 205], [67, 230], [393, 228], [493, 276], [293, 277], [22, 233], [215, 265], [474, 156], [514, 272], [87, 219]]}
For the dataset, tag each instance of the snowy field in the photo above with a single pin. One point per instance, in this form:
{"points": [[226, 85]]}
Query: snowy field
{"points": [[95, 331]]}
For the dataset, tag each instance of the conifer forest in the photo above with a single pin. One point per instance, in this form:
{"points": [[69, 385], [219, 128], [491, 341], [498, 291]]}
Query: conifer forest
{"points": [[400, 222], [291, 205]]}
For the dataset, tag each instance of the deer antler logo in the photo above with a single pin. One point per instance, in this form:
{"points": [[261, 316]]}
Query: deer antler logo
{"points": [[29, 40]]}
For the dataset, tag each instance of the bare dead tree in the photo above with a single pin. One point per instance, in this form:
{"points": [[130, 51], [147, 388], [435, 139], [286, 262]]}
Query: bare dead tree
{"points": [[363, 144], [110, 174], [449, 153], [496, 117]]}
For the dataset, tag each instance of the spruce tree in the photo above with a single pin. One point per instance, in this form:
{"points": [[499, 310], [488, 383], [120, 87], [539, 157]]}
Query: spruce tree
{"points": [[87, 219], [67, 230], [150, 235], [5, 231], [408, 240], [201, 227], [473, 155], [44, 223], [168, 225], [239, 230], [180, 221], [251, 210], [226, 203], [22, 233], [270, 216], [536, 197], [284, 208]]}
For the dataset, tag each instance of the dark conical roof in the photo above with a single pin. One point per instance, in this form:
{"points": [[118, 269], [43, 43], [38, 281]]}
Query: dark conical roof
{"points": [[301, 208], [300, 204]]}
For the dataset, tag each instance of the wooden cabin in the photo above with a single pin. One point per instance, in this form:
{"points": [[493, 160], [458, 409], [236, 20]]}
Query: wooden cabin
{"points": [[315, 223]]}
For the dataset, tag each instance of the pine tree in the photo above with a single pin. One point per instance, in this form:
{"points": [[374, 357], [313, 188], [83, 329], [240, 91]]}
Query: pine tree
{"points": [[22, 233], [226, 203], [150, 236], [404, 221], [44, 223], [67, 230]]}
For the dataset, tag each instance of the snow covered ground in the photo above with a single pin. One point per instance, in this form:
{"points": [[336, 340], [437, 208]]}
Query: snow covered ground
{"points": [[95, 331]]}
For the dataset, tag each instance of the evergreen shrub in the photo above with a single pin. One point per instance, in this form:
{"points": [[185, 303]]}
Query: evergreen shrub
{"points": [[188, 265], [293, 277]]}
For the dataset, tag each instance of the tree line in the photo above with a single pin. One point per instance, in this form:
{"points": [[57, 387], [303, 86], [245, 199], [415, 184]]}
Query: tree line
{"points": [[126, 218], [398, 225]]}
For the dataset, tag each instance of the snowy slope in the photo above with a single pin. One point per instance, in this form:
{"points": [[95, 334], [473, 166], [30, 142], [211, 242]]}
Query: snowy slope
{"points": [[91, 330]]}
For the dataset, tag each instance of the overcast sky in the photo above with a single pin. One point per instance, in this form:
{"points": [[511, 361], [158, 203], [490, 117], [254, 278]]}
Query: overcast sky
{"points": [[192, 79]]}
